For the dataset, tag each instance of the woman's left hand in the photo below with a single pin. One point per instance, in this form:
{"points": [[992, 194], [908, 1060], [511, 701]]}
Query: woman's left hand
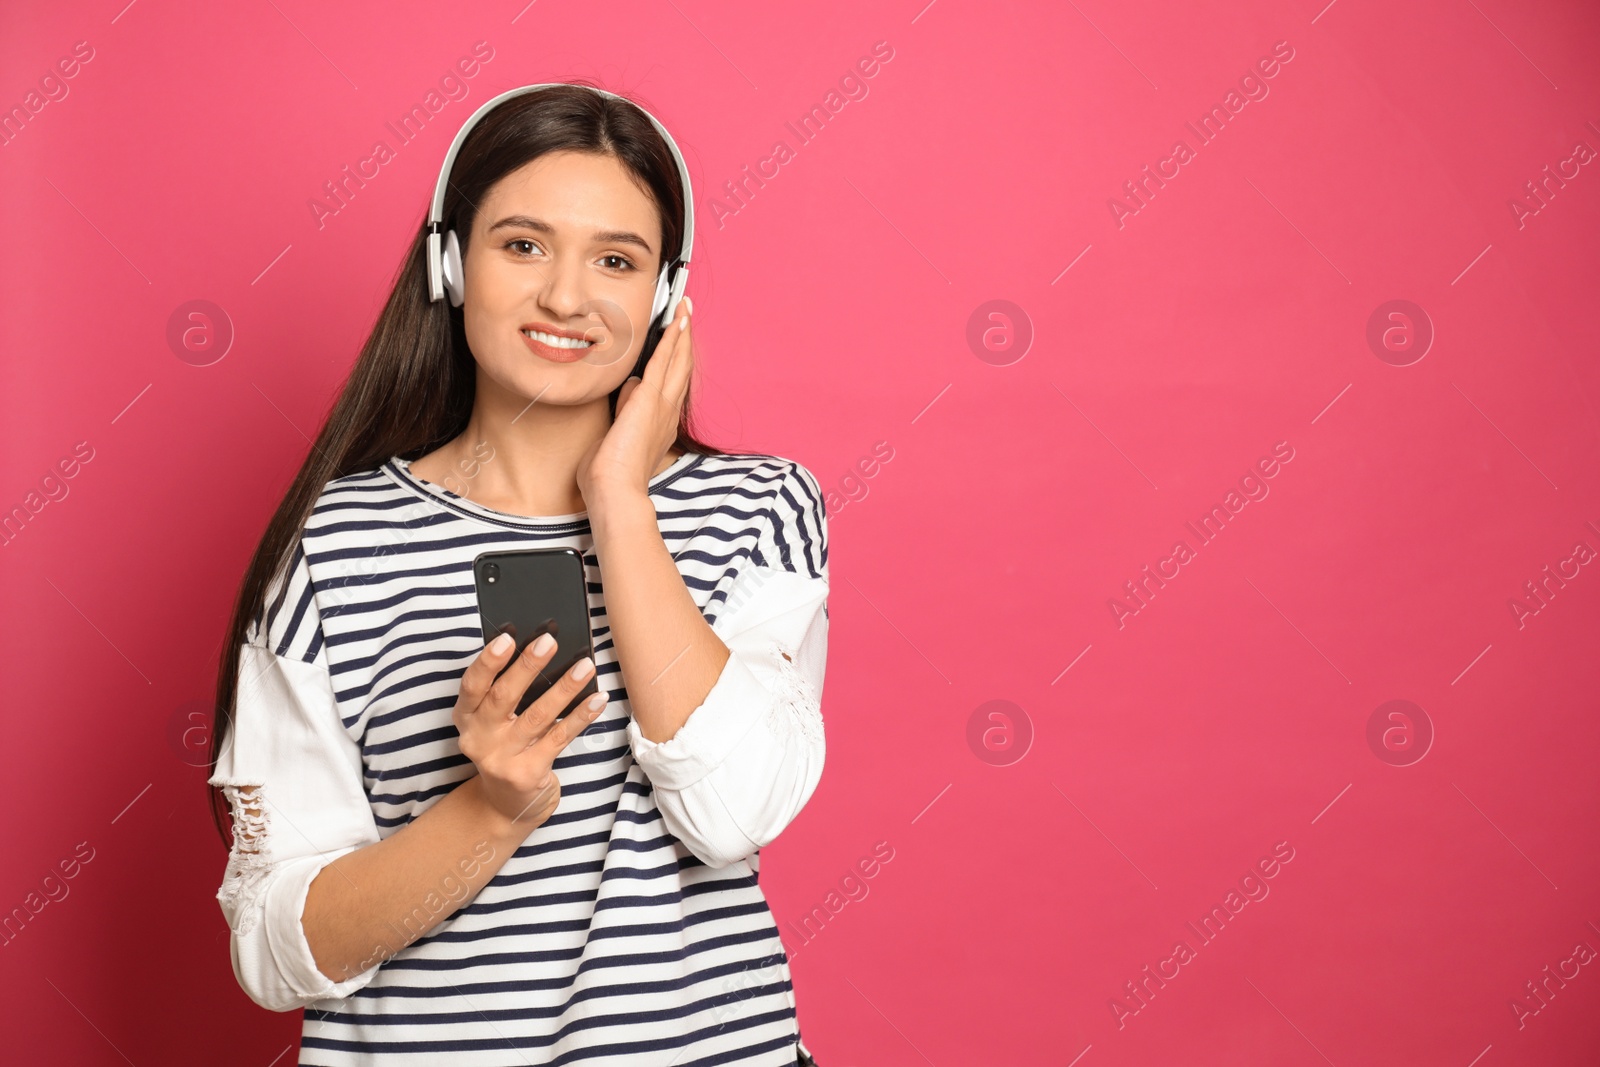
{"points": [[646, 421]]}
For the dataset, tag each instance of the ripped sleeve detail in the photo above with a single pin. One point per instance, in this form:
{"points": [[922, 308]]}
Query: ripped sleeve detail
{"points": [[250, 858], [795, 699]]}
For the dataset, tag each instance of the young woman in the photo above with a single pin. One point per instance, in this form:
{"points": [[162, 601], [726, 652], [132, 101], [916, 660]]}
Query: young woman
{"points": [[433, 877]]}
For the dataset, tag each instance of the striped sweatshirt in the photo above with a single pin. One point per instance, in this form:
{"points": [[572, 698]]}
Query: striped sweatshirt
{"points": [[629, 928]]}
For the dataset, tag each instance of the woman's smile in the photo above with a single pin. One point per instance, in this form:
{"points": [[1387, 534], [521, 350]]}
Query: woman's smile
{"points": [[558, 346]]}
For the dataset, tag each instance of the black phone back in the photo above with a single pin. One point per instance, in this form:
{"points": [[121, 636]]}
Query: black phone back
{"points": [[528, 592]]}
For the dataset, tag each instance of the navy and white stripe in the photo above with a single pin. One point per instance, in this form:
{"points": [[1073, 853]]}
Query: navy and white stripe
{"points": [[603, 939]]}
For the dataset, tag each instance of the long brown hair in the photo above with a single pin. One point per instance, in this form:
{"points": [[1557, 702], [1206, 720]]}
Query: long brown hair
{"points": [[411, 390]]}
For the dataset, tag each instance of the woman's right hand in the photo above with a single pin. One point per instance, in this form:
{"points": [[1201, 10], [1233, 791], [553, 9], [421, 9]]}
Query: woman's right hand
{"points": [[514, 753]]}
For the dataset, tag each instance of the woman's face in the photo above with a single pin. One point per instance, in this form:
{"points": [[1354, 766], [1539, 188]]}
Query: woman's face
{"points": [[567, 245]]}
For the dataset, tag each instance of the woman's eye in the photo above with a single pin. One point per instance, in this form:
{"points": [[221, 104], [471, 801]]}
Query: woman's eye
{"points": [[525, 247]]}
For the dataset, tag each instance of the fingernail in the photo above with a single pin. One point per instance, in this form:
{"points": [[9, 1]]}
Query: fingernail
{"points": [[544, 644], [584, 668], [596, 702], [690, 302], [500, 644]]}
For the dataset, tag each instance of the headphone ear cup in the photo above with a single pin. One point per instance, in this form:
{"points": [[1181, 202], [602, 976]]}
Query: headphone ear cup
{"points": [[453, 275], [435, 283], [663, 289], [679, 284]]}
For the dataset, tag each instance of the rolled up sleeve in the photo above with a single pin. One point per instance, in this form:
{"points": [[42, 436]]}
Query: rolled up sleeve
{"points": [[746, 761], [293, 778]]}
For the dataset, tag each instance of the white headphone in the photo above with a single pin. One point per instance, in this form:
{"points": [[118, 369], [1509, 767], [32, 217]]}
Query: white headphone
{"points": [[444, 252]]}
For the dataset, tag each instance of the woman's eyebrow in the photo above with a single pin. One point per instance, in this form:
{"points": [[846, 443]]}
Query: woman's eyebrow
{"points": [[626, 237]]}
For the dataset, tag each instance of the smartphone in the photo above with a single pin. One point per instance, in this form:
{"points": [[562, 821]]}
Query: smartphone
{"points": [[533, 591]]}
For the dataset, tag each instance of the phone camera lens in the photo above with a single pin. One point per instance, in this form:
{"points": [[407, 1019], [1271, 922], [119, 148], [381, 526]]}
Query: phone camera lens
{"points": [[491, 572]]}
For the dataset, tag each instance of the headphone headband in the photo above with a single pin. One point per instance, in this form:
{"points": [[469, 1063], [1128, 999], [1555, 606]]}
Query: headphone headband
{"points": [[436, 250]]}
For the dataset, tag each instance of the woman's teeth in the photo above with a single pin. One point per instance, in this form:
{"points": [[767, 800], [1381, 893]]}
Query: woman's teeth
{"points": [[556, 342]]}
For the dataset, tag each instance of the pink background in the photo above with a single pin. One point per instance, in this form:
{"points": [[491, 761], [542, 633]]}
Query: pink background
{"points": [[1161, 758]]}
